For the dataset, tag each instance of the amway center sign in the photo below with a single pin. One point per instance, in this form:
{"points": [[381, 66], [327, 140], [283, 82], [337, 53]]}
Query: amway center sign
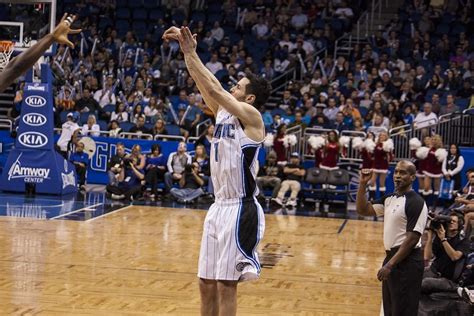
{"points": [[29, 174]]}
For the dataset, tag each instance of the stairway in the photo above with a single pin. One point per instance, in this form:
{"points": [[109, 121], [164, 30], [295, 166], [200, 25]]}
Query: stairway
{"points": [[366, 26]]}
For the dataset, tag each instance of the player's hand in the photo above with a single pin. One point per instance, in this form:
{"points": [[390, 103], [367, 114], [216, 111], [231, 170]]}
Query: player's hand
{"points": [[187, 41], [62, 30], [171, 34], [365, 176]]}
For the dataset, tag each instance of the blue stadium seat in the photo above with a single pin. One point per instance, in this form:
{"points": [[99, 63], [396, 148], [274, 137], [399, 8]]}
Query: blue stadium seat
{"points": [[123, 13], [84, 117], [140, 14], [198, 16], [122, 27], [214, 7], [173, 129], [140, 29], [457, 28], [126, 126], [442, 29], [278, 111], [178, 17], [213, 17], [156, 14], [151, 4], [462, 103], [103, 125], [109, 108], [221, 74], [63, 116], [135, 3], [121, 3]]}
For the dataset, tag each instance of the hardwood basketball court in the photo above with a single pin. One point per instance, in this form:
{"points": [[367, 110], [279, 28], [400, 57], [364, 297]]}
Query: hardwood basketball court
{"points": [[143, 261]]}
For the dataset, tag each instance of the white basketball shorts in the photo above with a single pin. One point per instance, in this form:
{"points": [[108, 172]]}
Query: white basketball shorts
{"points": [[232, 231]]}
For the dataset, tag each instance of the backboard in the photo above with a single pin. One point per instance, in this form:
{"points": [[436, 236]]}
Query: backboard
{"points": [[26, 21]]}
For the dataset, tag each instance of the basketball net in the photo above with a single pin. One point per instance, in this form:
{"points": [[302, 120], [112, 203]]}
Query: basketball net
{"points": [[6, 51]]}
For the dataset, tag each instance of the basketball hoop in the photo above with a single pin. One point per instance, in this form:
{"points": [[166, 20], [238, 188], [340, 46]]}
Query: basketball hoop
{"points": [[6, 51]]}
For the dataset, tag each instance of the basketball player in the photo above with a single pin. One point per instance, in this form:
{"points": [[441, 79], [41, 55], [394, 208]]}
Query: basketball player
{"points": [[20, 64], [234, 223]]}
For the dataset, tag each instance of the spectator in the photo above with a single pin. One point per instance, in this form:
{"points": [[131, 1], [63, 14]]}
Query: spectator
{"points": [[339, 124], [288, 101], [450, 107], [137, 113], [298, 120], [114, 129], [106, 95], [159, 128], [206, 138], [87, 103], [331, 110], [299, 20], [192, 116], [260, 30], [190, 184], [91, 128], [155, 168], [81, 161], [119, 115], [452, 167], [294, 173], [214, 65], [204, 170], [448, 248], [69, 133], [269, 176], [140, 127], [465, 203], [115, 164], [129, 180], [176, 163], [217, 32], [152, 111]]}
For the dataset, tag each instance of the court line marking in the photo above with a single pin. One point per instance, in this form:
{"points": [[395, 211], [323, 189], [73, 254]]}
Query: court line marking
{"points": [[106, 214], [342, 226], [31, 204], [75, 211]]}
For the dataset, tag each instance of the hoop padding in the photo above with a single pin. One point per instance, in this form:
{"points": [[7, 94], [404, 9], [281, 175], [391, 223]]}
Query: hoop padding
{"points": [[6, 51]]}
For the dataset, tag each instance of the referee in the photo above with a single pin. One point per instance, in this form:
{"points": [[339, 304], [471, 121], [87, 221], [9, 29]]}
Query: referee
{"points": [[405, 215]]}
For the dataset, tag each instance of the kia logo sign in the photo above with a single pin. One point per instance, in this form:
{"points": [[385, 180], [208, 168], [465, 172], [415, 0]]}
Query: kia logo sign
{"points": [[32, 139], [34, 119], [35, 101]]}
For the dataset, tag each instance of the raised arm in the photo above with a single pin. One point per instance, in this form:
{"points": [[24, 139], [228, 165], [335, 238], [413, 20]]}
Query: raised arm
{"points": [[20, 64], [213, 93], [364, 207]]}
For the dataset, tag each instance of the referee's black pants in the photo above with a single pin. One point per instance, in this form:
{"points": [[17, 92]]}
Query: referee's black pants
{"points": [[402, 290]]}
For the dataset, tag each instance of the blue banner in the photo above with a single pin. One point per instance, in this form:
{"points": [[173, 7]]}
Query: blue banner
{"points": [[34, 162]]}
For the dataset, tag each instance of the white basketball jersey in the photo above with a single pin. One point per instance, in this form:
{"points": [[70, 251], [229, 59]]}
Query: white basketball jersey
{"points": [[234, 159]]}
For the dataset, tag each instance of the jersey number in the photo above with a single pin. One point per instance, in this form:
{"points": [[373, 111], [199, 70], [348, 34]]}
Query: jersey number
{"points": [[216, 148]]}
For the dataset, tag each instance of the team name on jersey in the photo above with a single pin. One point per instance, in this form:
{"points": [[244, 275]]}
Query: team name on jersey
{"points": [[226, 130]]}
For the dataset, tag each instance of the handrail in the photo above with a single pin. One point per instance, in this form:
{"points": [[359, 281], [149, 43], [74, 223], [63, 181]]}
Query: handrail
{"points": [[192, 140], [6, 123], [167, 137], [293, 70], [136, 135], [205, 122]]}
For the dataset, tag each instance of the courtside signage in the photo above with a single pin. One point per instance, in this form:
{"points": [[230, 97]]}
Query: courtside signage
{"points": [[35, 101], [32, 139], [34, 119]]}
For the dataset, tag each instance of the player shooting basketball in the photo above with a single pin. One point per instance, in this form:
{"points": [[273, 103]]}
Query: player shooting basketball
{"points": [[235, 223], [20, 64]]}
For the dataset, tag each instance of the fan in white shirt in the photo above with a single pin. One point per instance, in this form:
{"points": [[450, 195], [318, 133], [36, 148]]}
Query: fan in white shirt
{"points": [[91, 128]]}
